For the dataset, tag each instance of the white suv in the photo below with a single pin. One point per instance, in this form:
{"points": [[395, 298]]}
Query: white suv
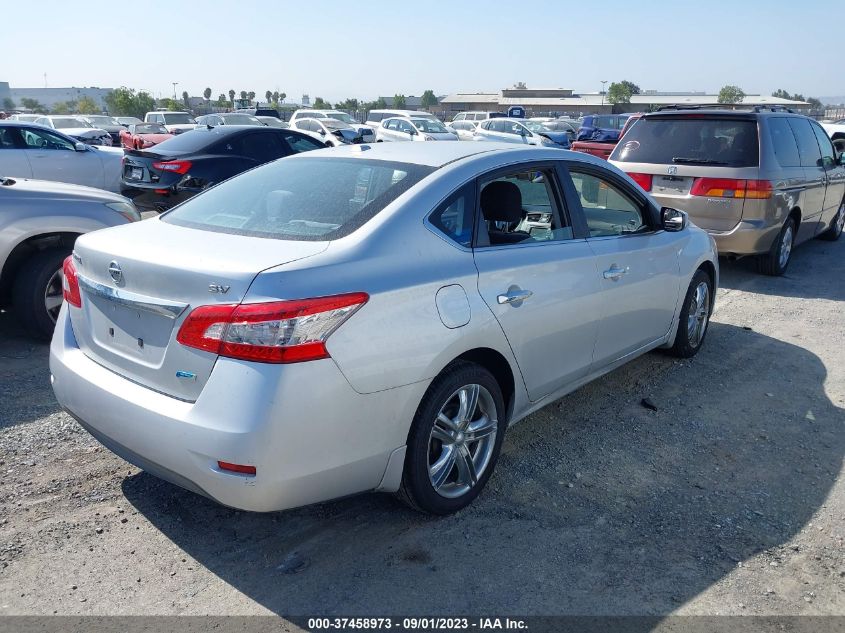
{"points": [[476, 115], [414, 129], [175, 122], [367, 133]]}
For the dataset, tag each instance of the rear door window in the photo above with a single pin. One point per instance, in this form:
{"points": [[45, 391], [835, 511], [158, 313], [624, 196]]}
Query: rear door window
{"points": [[783, 142], [693, 140], [300, 143], [808, 147]]}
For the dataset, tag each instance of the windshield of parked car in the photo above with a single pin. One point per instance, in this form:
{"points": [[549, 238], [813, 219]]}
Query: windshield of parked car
{"points": [[150, 128], [432, 126], [334, 124], [102, 120], [302, 199], [240, 119], [536, 126], [177, 118], [690, 140], [342, 116], [61, 123]]}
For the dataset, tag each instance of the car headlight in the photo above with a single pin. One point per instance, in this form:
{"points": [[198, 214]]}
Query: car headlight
{"points": [[126, 209], [546, 141]]}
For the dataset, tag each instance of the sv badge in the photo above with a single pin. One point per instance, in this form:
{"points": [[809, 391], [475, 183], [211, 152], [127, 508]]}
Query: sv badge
{"points": [[217, 288]]}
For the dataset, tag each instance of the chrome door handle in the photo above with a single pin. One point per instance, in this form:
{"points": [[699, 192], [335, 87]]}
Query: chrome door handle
{"points": [[514, 296], [615, 273]]}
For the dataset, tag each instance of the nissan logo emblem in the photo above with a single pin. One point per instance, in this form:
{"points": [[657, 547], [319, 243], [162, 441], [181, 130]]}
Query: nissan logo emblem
{"points": [[115, 272]]}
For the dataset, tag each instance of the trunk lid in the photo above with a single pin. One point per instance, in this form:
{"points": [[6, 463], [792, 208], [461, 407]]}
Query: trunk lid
{"points": [[129, 319]]}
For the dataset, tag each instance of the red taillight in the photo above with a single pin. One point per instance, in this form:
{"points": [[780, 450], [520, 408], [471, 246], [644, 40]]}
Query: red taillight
{"points": [[173, 166], [70, 283], [237, 468], [643, 180], [731, 188], [275, 332]]}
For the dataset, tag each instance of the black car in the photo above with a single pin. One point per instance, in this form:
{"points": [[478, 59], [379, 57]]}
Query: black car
{"points": [[107, 123], [182, 166]]}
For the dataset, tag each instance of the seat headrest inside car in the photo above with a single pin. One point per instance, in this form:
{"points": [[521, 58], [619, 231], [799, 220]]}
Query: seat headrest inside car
{"points": [[501, 201]]}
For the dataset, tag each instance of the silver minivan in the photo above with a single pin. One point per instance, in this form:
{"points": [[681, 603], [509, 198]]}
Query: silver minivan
{"points": [[759, 181]]}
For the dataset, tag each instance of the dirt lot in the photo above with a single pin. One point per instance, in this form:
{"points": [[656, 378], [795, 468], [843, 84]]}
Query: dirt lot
{"points": [[729, 499]]}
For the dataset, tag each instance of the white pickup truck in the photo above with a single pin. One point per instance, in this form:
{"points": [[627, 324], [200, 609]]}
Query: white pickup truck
{"points": [[39, 223]]}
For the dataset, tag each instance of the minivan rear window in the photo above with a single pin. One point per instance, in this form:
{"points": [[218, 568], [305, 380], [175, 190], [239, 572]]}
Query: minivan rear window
{"points": [[308, 199], [694, 140]]}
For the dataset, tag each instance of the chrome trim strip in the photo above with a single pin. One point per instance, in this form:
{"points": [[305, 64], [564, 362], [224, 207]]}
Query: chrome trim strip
{"points": [[162, 307]]}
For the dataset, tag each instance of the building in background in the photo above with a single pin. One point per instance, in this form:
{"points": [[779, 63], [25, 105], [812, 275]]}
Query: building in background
{"points": [[560, 101], [48, 97]]}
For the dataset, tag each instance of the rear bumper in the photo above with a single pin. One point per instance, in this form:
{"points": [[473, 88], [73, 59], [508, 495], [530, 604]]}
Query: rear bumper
{"points": [[155, 197], [748, 237], [310, 436]]}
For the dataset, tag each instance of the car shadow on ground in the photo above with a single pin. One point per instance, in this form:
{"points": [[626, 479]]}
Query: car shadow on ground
{"points": [[23, 377], [817, 270], [598, 505]]}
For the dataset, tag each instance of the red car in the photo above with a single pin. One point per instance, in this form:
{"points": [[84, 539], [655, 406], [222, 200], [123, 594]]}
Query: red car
{"points": [[603, 149], [143, 135]]}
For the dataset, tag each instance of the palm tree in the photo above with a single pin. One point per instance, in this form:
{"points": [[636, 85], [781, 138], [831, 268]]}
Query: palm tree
{"points": [[185, 97], [251, 96], [243, 95], [207, 94], [282, 97], [276, 97], [232, 97], [269, 96]]}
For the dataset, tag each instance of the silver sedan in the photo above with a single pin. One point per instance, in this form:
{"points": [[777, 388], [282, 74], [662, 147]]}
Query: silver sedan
{"points": [[369, 317]]}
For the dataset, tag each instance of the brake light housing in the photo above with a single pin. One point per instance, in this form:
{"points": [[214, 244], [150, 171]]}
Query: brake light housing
{"points": [[70, 283], [643, 180], [273, 332], [731, 188], [173, 166]]}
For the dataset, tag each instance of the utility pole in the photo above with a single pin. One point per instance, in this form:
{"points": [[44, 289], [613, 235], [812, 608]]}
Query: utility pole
{"points": [[175, 83], [604, 81]]}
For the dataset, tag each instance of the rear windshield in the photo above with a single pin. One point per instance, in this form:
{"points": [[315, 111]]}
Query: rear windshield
{"points": [[308, 199], [693, 140], [177, 118], [190, 141]]}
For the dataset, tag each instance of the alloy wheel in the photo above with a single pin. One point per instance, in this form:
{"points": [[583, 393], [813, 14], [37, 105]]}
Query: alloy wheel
{"points": [[785, 247], [462, 441], [698, 315], [53, 295]]}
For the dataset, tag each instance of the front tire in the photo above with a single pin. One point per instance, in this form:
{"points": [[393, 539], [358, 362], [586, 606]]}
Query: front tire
{"points": [[37, 292], [776, 261], [455, 440], [835, 230], [694, 317]]}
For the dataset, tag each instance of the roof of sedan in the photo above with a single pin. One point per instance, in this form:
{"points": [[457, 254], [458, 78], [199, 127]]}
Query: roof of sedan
{"points": [[435, 154]]}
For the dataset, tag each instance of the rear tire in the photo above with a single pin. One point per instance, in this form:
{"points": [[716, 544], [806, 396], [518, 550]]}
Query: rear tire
{"points": [[694, 317], [37, 292], [776, 261], [454, 441], [834, 231]]}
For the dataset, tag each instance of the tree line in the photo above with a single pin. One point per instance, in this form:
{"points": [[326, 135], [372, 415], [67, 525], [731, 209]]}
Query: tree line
{"points": [[622, 91]]}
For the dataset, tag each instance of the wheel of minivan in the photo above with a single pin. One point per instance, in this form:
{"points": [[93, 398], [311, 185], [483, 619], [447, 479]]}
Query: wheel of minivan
{"points": [[454, 441], [776, 260], [694, 317], [37, 292], [835, 230]]}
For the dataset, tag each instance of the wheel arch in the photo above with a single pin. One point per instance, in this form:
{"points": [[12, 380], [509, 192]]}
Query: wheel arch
{"points": [[24, 250], [498, 365]]}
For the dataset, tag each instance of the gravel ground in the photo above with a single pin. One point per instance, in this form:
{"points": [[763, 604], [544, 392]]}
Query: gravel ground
{"points": [[728, 499]]}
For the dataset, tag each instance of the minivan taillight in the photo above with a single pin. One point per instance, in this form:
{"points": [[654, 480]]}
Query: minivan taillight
{"points": [[731, 188], [173, 166], [274, 332], [643, 180], [70, 283]]}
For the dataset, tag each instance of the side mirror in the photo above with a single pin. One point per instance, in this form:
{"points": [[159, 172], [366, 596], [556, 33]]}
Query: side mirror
{"points": [[673, 220], [412, 132], [80, 147], [322, 132]]}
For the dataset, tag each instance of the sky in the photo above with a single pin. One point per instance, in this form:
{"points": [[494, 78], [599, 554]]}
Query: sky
{"points": [[368, 48]]}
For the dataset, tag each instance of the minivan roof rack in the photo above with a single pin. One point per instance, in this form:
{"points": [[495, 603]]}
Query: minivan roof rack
{"points": [[726, 106]]}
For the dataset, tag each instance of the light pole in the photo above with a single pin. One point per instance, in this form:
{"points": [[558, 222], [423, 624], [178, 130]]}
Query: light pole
{"points": [[175, 83], [602, 91]]}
